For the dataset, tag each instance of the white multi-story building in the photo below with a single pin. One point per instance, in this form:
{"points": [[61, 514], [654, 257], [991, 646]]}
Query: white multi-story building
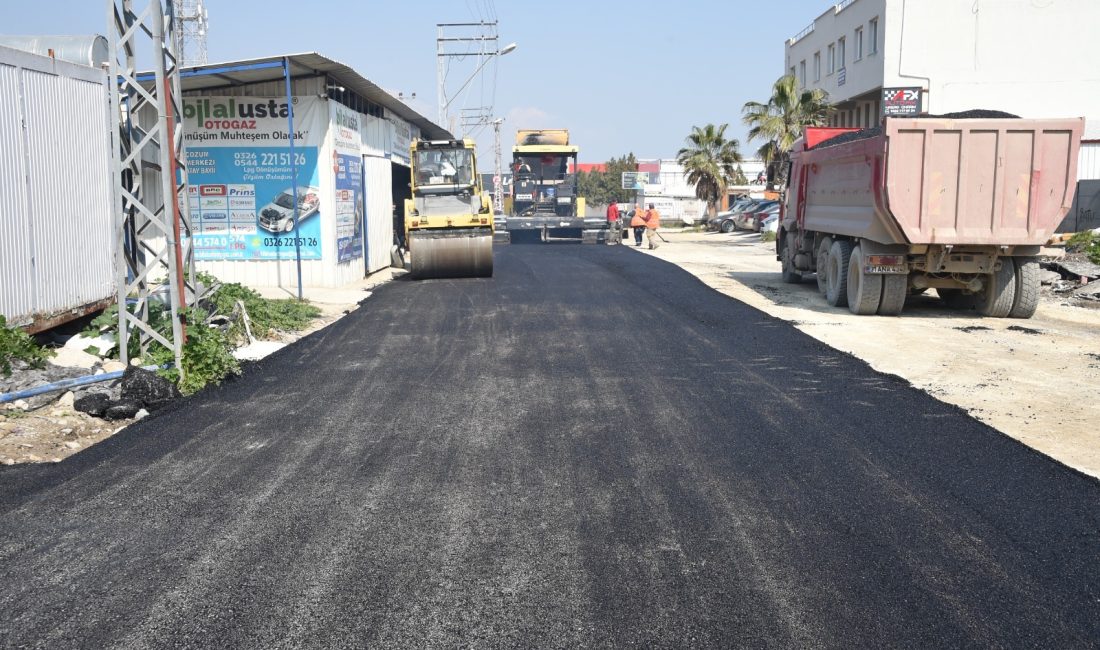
{"points": [[1033, 58]]}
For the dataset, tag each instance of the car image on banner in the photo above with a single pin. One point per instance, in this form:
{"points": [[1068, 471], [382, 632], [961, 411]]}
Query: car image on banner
{"points": [[278, 215]]}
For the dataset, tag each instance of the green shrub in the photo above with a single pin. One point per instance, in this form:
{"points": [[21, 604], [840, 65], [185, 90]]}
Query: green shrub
{"points": [[207, 355], [17, 345], [1085, 242], [767, 235]]}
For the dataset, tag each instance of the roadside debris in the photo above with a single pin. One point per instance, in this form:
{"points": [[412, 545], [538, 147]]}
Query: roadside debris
{"points": [[1074, 278]]}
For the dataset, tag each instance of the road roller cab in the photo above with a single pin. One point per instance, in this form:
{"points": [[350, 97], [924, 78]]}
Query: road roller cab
{"points": [[449, 219]]}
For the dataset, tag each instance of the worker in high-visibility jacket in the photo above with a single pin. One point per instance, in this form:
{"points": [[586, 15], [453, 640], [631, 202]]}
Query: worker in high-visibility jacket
{"points": [[637, 222], [652, 223]]}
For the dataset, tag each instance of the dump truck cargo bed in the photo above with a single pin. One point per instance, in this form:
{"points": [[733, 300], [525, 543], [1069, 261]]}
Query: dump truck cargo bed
{"points": [[1003, 182]]}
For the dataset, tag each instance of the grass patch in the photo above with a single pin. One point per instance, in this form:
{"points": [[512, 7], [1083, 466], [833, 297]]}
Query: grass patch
{"points": [[17, 345], [767, 235], [1085, 242]]}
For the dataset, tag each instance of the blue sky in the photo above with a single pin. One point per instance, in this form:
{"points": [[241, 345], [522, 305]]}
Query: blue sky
{"points": [[622, 76]]}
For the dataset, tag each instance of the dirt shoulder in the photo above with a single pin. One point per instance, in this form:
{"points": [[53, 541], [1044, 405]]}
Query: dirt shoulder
{"points": [[49, 429], [1034, 380]]}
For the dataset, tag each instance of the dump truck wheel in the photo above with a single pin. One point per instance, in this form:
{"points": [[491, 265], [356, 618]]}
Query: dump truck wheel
{"points": [[822, 261], [1028, 284], [790, 274], [956, 299], [895, 289], [864, 289], [836, 292], [1000, 291]]}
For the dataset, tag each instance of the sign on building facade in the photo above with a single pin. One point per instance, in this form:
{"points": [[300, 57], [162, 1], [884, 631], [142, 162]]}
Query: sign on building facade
{"points": [[901, 101]]}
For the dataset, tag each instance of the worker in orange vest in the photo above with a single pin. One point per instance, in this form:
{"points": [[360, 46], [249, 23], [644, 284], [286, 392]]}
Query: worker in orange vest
{"points": [[637, 222], [652, 222]]}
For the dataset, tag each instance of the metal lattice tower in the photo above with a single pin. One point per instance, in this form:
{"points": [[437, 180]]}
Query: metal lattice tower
{"points": [[190, 25], [153, 256]]}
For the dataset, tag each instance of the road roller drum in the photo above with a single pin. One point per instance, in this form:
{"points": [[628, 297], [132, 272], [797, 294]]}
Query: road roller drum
{"points": [[457, 253]]}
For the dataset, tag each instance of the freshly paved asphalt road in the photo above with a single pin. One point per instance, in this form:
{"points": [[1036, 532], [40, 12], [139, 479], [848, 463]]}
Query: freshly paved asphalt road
{"points": [[589, 449]]}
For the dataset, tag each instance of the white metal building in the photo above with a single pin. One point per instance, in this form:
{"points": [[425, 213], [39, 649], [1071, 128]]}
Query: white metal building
{"points": [[1033, 58], [350, 160], [56, 222]]}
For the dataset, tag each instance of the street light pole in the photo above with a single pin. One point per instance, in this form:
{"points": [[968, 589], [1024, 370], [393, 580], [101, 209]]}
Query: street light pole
{"points": [[488, 57], [498, 178]]}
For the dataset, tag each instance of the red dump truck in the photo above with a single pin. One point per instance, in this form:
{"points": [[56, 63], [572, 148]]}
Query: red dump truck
{"points": [[958, 205]]}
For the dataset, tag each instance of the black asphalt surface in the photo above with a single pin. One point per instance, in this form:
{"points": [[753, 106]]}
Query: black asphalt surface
{"points": [[591, 449]]}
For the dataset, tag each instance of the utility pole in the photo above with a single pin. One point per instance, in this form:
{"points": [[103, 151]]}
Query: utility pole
{"points": [[498, 178], [478, 40]]}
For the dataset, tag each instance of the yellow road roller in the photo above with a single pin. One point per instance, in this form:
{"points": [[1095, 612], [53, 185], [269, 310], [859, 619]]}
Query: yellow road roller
{"points": [[449, 219]]}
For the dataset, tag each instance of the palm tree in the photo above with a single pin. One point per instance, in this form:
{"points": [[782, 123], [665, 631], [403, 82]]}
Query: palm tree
{"points": [[710, 161], [780, 121]]}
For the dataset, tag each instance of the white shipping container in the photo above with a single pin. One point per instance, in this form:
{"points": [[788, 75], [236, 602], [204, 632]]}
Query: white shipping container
{"points": [[56, 222]]}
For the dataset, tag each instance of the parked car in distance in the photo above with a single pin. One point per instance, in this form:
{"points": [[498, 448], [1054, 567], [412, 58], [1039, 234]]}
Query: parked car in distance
{"points": [[759, 217], [718, 221], [770, 224], [747, 219]]}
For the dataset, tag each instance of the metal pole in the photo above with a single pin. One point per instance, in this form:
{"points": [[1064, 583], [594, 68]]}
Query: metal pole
{"points": [[498, 185], [168, 189], [122, 276], [293, 171], [441, 89]]}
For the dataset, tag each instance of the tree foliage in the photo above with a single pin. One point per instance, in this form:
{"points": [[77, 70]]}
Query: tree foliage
{"points": [[710, 161], [780, 121], [604, 187]]}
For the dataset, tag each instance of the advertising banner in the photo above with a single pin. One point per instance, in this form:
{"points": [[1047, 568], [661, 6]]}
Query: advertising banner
{"points": [[241, 176], [348, 167], [401, 142], [901, 101]]}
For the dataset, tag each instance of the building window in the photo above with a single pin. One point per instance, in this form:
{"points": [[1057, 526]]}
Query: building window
{"points": [[832, 58], [840, 49], [859, 44], [792, 70], [817, 66], [802, 73], [872, 41]]}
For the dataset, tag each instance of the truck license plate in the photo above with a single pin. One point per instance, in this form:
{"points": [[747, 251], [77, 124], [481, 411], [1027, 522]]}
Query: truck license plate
{"points": [[888, 270]]}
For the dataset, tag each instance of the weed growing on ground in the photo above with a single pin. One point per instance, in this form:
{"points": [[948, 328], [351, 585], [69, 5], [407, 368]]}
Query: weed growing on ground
{"points": [[265, 314], [767, 235], [208, 353], [1086, 242], [17, 345]]}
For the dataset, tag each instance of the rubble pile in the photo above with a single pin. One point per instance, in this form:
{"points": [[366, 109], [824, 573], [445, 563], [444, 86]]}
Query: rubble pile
{"points": [[1074, 278], [50, 426]]}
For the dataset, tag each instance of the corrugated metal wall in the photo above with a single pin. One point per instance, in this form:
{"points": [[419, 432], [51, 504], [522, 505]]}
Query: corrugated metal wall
{"points": [[16, 261], [57, 186], [1088, 161], [379, 174]]}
